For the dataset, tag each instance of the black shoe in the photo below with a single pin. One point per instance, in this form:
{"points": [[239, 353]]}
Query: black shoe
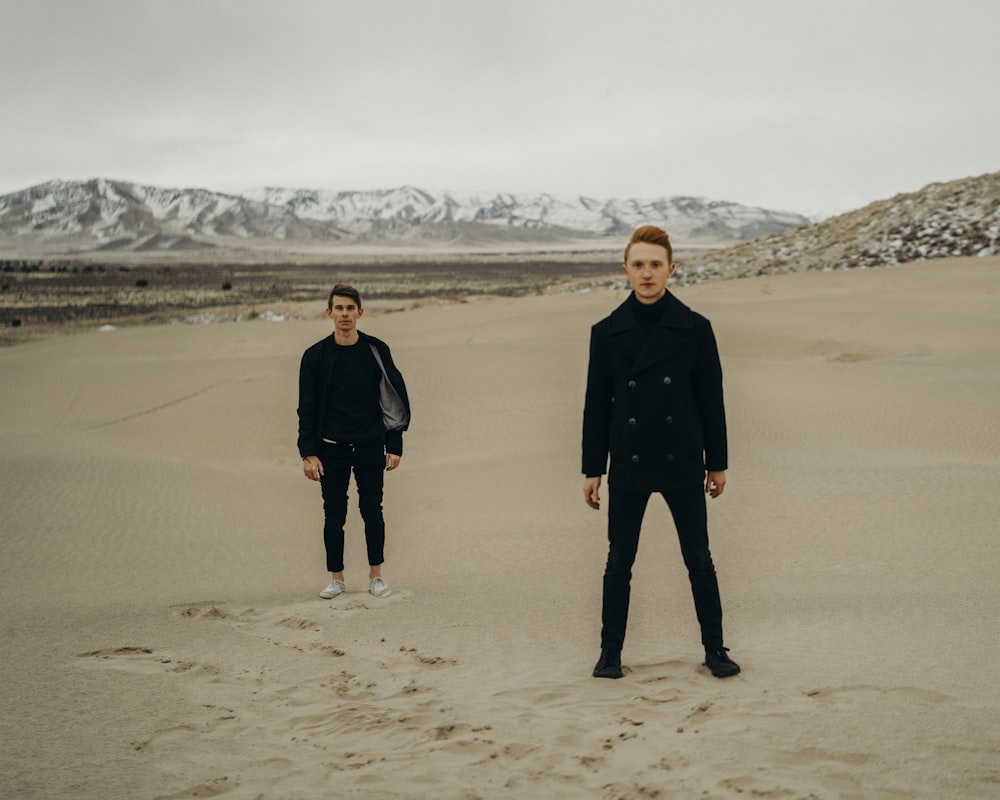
{"points": [[720, 664], [609, 665]]}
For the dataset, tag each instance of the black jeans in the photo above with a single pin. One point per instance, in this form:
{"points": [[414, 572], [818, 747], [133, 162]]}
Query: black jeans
{"points": [[368, 463], [625, 513]]}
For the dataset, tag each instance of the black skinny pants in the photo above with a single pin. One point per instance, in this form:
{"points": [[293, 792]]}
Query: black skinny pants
{"points": [[368, 464], [625, 513]]}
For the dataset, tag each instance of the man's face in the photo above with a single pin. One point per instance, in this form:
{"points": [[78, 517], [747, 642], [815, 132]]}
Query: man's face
{"points": [[345, 314], [647, 271]]}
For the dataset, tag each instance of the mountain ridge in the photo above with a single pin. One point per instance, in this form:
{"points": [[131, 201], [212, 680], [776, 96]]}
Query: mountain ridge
{"points": [[105, 214], [953, 218]]}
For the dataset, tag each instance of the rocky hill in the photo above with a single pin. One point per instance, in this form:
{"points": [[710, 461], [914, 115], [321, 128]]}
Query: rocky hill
{"points": [[117, 215], [958, 218]]}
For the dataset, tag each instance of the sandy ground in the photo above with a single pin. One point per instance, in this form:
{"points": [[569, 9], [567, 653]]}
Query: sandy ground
{"points": [[161, 554]]}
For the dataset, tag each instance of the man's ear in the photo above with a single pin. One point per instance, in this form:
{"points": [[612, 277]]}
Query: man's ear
{"points": [[625, 268], [672, 268], [361, 312]]}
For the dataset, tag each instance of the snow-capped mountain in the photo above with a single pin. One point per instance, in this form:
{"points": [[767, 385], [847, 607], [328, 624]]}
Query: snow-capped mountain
{"points": [[690, 217], [104, 213]]}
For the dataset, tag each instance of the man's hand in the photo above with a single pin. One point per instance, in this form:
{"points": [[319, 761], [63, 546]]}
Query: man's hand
{"points": [[591, 492], [312, 467], [392, 460], [715, 483]]}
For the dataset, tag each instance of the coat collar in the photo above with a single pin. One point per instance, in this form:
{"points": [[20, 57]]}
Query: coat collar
{"points": [[627, 336], [675, 315]]}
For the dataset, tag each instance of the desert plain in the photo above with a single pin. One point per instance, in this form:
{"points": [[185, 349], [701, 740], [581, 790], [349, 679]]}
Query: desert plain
{"points": [[161, 553]]}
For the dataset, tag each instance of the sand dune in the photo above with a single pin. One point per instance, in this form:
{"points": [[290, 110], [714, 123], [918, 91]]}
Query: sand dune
{"points": [[161, 554]]}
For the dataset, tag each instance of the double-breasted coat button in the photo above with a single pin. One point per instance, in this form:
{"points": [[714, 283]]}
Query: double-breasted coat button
{"points": [[670, 420], [670, 456], [631, 384], [635, 459], [631, 420], [666, 379]]}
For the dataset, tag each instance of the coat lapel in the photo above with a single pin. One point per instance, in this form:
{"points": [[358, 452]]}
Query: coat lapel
{"points": [[329, 358], [626, 335], [662, 342]]}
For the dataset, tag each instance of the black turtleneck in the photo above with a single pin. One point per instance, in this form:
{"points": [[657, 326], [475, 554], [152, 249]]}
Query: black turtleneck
{"points": [[649, 314]]}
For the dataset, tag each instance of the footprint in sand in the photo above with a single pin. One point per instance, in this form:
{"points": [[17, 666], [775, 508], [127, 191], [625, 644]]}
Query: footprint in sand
{"points": [[144, 660], [849, 693], [428, 661]]}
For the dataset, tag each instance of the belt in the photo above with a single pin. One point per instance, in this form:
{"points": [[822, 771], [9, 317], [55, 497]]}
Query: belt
{"points": [[351, 445]]}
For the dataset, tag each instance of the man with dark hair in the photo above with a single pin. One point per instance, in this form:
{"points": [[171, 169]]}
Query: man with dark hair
{"points": [[353, 409], [654, 403]]}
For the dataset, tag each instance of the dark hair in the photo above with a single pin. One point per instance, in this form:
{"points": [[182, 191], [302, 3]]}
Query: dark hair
{"points": [[651, 235], [343, 290]]}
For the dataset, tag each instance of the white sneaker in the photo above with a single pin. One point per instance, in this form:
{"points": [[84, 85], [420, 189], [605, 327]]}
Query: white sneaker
{"points": [[336, 587], [379, 587]]}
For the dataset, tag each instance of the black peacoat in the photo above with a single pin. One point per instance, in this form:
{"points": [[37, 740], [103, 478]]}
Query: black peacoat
{"points": [[654, 404]]}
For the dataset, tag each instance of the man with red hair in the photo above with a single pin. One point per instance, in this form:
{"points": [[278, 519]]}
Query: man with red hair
{"points": [[654, 405]]}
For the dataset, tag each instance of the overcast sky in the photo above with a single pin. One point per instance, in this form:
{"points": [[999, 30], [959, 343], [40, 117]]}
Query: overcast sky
{"points": [[787, 104]]}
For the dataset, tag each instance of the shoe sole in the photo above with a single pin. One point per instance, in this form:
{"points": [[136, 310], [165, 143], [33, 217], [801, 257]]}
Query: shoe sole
{"points": [[726, 674], [386, 593]]}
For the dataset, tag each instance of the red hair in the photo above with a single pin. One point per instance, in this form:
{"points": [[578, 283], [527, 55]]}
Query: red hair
{"points": [[650, 234]]}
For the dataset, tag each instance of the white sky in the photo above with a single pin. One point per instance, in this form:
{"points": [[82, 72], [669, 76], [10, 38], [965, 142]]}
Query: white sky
{"points": [[788, 104]]}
